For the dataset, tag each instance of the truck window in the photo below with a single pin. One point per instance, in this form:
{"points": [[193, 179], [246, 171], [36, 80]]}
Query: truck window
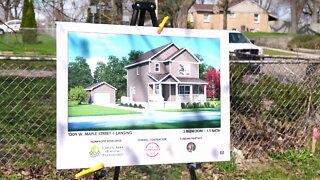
{"points": [[237, 38]]}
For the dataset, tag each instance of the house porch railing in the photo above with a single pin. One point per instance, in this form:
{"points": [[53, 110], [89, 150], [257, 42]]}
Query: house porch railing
{"points": [[192, 97]]}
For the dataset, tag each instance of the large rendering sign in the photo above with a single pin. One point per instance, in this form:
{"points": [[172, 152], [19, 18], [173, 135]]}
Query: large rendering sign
{"points": [[129, 96]]}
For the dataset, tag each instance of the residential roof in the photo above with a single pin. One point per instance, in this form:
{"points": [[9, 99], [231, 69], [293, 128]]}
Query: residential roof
{"points": [[191, 80], [159, 77], [95, 85], [204, 7], [235, 2], [148, 54]]}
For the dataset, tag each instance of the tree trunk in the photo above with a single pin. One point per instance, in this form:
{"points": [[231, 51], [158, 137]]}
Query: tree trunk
{"points": [[296, 9], [117, 12], [181, 15], [315, 16], [225, 14]]}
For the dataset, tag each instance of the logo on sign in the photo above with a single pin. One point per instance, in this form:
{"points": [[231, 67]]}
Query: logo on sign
{"points": [[191, 147], [152, 149], [94, 151]]}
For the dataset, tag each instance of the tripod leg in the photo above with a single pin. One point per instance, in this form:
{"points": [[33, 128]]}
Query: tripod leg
{"points": [[141, 17], [154, 18], [133, 21]]}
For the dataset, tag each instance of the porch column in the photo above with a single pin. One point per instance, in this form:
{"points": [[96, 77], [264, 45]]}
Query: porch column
{"points": [[205, 93], [177, 93], [191, 93]]}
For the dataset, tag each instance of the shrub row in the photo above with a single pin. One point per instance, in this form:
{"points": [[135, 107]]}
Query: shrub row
{"points": [[197, 105], [132, 105]]}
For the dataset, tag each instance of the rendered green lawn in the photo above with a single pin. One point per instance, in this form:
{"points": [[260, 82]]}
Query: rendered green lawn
{"points": [[94, 110], [179, 125]]}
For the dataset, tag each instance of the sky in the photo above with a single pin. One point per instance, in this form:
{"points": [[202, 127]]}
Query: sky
{"points": [[95, 47]]}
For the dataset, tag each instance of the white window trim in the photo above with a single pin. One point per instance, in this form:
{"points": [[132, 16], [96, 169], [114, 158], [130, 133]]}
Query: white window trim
{"points": [[232, 15], [254, 18], [137, 70], [155, 67], [191, 17], [184, 89], [189, 69], [206, 19]]}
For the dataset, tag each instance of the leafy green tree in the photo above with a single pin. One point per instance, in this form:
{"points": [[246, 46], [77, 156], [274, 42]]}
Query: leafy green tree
{"points": [[78, 94], [79, 73], [28, 24], [133, 54], [203, 67]]}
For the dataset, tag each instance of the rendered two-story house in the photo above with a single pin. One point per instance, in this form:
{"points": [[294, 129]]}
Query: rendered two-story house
{"points": [[165, 77]]}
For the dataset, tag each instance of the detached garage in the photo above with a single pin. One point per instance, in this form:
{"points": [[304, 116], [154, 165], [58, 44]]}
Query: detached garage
{"points": [[101, 94]]}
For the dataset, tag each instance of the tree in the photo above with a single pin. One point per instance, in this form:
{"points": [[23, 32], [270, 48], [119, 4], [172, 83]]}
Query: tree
{"points": [[28, 24], [78, 94], [296, 10], [213, 80], [117, 12], [225, 7], [177, 10], [7, 6], [133, 54], [79, 73]]}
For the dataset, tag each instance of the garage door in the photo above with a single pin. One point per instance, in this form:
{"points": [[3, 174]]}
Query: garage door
{"points": [[101, 99]]}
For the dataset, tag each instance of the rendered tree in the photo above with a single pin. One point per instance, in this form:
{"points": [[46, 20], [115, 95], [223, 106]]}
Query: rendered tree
{"points": [[78, 94], [79, 73], [213, 80], [28, 24]]}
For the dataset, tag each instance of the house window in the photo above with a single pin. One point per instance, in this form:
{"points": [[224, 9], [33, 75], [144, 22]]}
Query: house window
{"points": [[256, 18], [184, 89], [252, 30], [157, 89], [232, 15], [184, 69], [234, 29], [137, 70], [157, 67], [206, 17]]}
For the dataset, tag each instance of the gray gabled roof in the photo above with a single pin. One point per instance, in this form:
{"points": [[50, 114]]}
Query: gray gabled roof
{"points": [[148, 55], [95, 85]]}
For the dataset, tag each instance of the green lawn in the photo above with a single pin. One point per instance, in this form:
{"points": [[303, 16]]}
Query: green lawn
{"points": [[191, 110], [272, 52], [179, 125], [264, 34], [94, 110], [12, 43]]}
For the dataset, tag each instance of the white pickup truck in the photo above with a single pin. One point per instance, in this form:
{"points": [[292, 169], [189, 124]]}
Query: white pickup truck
{"points": [[238, 43]]}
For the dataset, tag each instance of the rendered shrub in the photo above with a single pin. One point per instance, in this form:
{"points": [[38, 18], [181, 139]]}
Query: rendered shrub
{"points": [[190, 106], [135, 105], [140, 106], [183, 105], [130, 105]]}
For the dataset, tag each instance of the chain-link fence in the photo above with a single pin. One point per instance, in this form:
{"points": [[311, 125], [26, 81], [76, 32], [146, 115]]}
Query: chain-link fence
{"points": [[274, 103]]}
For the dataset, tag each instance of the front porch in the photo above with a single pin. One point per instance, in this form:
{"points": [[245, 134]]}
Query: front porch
{"points": [[175, 92]]}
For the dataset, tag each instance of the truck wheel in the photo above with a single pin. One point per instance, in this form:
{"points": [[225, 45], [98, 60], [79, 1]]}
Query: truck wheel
{"points": [[1, 31]]}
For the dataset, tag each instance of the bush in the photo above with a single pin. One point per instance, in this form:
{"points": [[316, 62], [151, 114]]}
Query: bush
{"points": [[130, 105], [135, 106], [212, 105], [206, 104], [121, 104], [190, 106], [183, 105], [140, 106], [126, 104], [202, 106]]}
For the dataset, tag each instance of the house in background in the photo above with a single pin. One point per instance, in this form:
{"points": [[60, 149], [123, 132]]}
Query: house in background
{"points": [[165, 77], [244, 15], [102, 94]]}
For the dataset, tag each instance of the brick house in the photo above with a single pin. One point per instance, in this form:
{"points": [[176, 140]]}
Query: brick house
{"points": [[244, 15]]}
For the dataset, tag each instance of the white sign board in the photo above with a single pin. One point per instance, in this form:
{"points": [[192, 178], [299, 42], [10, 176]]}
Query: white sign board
{"points": [[167, 95]]}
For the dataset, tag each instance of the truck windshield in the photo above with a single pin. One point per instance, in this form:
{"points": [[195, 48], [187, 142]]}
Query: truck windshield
{"points": [[237, 38]]}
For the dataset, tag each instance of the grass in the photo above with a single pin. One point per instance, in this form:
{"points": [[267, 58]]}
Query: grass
{"points": [[272, 52], [264, 34], [28, 65], [94, 110], [179, 125], [13, 43]]}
